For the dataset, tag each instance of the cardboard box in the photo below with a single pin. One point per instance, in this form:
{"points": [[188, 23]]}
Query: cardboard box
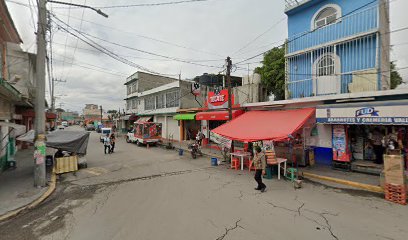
{"points": [[394, 169]]}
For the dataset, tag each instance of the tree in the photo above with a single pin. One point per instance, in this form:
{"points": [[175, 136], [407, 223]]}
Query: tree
{"points": [[396, 78], [112, 111], [273, 72]]}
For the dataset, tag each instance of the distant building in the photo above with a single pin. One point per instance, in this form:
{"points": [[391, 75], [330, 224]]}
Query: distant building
{"points": [[140, 82], [217, 80], [337, 47], [92, 113]]}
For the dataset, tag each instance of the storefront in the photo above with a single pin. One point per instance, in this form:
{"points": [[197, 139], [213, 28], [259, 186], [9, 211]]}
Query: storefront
{"points": [[285, 128], [363, 132], [188, 126]]}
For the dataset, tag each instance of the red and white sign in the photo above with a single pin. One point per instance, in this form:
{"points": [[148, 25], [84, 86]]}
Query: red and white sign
{"points": [[219, 100]]}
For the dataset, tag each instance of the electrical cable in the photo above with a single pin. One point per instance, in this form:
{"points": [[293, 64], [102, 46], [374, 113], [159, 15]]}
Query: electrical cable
{"points": [[310, 31], [147, 37]]}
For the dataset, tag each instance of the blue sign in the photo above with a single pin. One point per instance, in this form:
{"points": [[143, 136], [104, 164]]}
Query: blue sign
{"points": [[367, 111]]}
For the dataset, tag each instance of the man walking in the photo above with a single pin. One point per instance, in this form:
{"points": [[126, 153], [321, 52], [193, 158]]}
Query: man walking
{"points": [[106, 143], [260, 165]]}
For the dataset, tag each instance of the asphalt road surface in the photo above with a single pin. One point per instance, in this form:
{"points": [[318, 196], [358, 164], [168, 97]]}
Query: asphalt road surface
{"points": [[139, 193]]}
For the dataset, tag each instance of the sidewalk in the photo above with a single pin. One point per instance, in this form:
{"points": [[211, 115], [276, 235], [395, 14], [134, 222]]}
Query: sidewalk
{"points": [[205, 150], [16, 185], [344, 179]]}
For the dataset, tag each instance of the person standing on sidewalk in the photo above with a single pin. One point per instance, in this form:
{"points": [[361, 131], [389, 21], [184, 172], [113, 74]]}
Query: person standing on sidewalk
{"points": [[260, 166], [106, 143]]}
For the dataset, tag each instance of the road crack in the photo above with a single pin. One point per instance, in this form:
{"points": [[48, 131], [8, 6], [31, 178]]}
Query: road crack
{"points": [[302, 208], [227, 230]]}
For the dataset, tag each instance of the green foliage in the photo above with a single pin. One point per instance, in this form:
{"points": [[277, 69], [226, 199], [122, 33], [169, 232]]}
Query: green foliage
{"points": [[112, 111], [273, 72], [396, 78]]}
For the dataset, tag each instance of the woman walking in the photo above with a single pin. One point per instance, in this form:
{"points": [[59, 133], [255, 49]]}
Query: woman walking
{"points": [[260, 165]]}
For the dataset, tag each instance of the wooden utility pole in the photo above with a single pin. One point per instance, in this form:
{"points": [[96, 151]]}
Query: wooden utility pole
{"points": [[40, 178], [229, 65]]}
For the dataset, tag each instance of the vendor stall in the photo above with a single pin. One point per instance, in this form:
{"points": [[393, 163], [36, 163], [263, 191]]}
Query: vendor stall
{"points": [[284, 127]]}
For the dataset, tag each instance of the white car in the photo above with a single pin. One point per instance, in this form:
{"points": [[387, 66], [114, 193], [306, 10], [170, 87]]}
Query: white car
{"points": [[104, 132], [65, 124], [61, 127]]}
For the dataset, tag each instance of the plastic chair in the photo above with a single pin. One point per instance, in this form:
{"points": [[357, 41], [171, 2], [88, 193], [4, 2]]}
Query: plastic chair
{"points": [[235, 163]]}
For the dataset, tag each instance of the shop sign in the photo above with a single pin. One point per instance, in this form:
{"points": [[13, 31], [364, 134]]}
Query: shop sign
{"points": [[220, 140], [364, 115], [218, 99], [195, 89]]}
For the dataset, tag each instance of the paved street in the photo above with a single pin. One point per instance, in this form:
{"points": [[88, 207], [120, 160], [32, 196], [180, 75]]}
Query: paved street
{"points": [[139, 193]]}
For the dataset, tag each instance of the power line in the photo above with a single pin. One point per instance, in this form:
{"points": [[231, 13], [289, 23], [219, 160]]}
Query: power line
{"points": [[146, 4], [147, 37], [259, 36], [102, 49], [151, 53], [310, 31]]}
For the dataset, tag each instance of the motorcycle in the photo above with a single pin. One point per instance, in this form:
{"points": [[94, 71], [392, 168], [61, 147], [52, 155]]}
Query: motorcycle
{"points": [[195, 150]]}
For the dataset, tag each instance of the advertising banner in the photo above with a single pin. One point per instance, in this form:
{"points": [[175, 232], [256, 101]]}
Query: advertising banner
{"points": [[220, 140], [340, 144], [367, 115], [218, 99]]}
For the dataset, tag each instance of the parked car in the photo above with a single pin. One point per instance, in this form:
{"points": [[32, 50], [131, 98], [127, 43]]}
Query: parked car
{"points": [[61, 127], [104, 132], [64, 123], [90, 127]]}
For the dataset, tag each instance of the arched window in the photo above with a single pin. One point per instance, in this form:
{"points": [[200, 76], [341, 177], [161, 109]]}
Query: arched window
{"points": [[326, 15], [325, 66]]}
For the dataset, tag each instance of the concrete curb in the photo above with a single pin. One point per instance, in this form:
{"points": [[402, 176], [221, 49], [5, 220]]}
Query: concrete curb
{"points": [[35, 203], [363, 186]]}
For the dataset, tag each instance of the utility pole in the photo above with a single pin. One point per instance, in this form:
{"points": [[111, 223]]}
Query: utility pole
{"points": [[229, 65], [101, 114], [40, 178]]}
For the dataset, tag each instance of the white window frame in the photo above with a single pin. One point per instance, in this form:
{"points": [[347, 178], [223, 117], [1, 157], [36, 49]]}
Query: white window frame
{"points": [[337, 71], [338, 18]]}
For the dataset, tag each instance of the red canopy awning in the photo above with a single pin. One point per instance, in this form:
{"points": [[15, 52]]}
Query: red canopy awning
{"points": [[218, 115], [265, 125]]}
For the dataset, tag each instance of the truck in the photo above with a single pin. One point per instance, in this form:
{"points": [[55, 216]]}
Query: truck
{"points": [[145, 133]]}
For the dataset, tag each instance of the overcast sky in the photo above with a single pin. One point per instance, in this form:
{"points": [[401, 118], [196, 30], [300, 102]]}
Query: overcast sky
{"points": [[205, 33]]}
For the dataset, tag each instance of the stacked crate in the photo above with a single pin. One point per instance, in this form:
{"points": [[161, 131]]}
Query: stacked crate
{"points": [[395, 193], [394, 188]]}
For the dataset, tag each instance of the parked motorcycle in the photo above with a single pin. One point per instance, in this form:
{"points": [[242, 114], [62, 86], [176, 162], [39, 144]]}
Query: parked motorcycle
{"points": [[195, 150]]}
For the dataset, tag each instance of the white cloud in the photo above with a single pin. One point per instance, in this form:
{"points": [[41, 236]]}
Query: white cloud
{"points": [[220, 27]]}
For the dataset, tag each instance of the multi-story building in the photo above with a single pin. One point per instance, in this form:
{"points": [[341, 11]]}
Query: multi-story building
{"points": [[92, 113], [337, 47], [140, 82]]}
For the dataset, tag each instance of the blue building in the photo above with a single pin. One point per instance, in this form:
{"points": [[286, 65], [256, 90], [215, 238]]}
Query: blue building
{"points": [[337, 46]]}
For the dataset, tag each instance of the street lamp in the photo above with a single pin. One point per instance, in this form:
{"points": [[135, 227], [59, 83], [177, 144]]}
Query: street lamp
{"points": [[82, 6]]}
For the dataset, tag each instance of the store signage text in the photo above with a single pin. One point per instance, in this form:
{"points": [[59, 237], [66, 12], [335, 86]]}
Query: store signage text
{"points": [[366, 111], [365, 120], [217, 98]]}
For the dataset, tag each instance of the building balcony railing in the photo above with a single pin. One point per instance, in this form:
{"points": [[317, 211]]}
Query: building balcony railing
{"points": [[361, 81], [293, 3], [365, 21]]}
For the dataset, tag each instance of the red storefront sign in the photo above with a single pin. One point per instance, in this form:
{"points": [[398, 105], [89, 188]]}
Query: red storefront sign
{"points": [[218, 99]]}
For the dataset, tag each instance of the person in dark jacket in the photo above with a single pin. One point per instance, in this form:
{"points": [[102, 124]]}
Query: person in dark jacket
{"points": [[260, 166]]}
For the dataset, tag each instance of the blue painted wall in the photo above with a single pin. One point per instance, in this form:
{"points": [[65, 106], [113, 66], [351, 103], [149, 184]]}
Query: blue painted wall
{"points": [[299, 19], [299, 23], [357, 56]]}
